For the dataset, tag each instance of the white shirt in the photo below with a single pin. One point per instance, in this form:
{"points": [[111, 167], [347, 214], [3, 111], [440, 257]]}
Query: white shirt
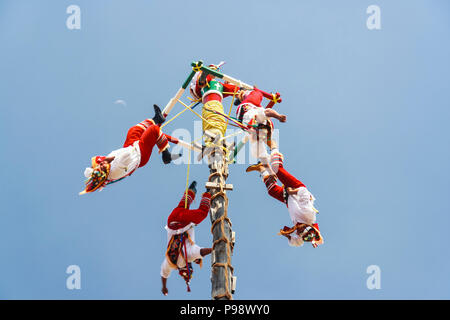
{"points": [[256, 113], [193, 85], [193, 252], [301, 207], [126, 160]]}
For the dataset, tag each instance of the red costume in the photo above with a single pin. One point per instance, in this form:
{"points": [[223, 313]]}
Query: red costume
{"points": [[148, 134], [181, 248], [182, 217], [286, 179], [300, 204], [254, 98], [134, 154]]}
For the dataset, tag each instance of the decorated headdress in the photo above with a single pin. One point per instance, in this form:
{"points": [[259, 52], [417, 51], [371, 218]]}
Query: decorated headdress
{"points": [[96, 175], [216, 66], [309, 233], [295, 240]]}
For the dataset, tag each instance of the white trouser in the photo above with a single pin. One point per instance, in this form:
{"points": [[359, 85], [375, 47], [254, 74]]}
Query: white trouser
{"points": [[258, 140]]}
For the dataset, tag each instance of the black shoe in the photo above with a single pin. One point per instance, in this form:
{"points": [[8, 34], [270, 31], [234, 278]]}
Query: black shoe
{"points": [[159, 117], [193, 186], [167, 157]]}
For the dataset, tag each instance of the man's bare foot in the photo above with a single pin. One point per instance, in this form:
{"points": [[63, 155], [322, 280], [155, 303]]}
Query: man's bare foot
{"points": [[282, 118], [273, 114]]}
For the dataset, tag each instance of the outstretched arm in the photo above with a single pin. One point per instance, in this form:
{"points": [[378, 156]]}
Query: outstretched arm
{"points": [[271, 113], [164, 289], [205, 251], [166, 270], [109, 159]]}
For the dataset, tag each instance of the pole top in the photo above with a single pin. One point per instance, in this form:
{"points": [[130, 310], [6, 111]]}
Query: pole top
{"points": [[197, 65]]}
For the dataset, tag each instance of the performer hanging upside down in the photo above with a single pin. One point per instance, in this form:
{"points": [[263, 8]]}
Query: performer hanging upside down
{"points": [[181, 248], [250, 112], [299, 201], [250, 109], [135, 153]]}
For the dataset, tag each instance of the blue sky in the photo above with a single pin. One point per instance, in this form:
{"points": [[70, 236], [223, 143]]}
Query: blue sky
{"points": [[367, 132]]}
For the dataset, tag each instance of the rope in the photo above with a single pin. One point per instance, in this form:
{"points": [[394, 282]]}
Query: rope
{"points": [[179, 113], [187, 262], [195, 102], [229, 296], [231, 135], [239, 124], [173, 118], [187, 180], [216, 124], [209, 144], [221, 222], [188, 107], [231, 105], [225, 265]]}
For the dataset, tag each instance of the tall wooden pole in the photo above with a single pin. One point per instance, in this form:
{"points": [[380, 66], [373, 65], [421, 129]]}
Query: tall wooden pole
{"points": [[222, 279]]}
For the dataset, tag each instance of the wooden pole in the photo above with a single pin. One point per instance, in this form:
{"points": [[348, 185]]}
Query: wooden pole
{"points": [[222, 279], [178, 95]]}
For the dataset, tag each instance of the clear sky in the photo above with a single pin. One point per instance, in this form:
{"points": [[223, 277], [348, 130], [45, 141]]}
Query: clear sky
{"points": [[367, 132]]}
